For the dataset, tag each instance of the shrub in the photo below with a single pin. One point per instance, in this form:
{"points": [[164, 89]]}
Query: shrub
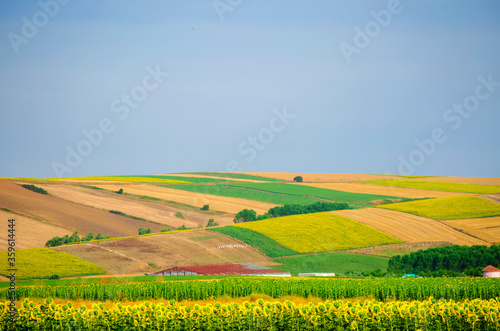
{"points": [[212, 222], [298, 179], [166, 230], [143, 231], [34, 188], [205, 207], [183, 227], [120, 191]]}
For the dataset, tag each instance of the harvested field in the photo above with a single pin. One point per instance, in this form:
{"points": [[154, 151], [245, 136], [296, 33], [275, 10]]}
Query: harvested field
{"points": [[492, 197], [29, 233], [68, 215], [487, 229], [196, 247], [383, 190], [224, 204], [149, 210], [321, 178], [408, 227], [463, 180]]}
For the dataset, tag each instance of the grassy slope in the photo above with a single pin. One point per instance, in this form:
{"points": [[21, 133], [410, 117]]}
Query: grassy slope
{"points": [[310, 191], [319, 232], [226, 190], [196, 180], [438, 186], [448, 208], [339, 263], [44, 263], [257, 240]]}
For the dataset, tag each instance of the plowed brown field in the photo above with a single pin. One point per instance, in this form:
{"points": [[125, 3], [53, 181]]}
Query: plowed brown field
{"points": [[197, 247], [384, 190], [224, 204], [409, 228], [321, 178], [149, 210], [28, 232], [68, 215], [487, 229]]}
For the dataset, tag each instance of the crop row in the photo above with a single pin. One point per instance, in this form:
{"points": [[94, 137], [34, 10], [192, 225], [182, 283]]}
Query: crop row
{"points": [[262, 315], [377, 288]]}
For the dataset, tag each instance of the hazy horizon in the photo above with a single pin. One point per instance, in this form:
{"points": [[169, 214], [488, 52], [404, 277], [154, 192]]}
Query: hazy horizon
{"points": [[115, 88]]}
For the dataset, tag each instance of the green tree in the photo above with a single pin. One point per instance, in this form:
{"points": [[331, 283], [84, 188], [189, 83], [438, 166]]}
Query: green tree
{"points": [[205, 207], [212, 222], [298, 179], [120, 191], [246, 215]]}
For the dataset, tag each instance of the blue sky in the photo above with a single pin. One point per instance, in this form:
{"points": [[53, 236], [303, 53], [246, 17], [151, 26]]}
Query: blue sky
{"points": [[408, 87]]}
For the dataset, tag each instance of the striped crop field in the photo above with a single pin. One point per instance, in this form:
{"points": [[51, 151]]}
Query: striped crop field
{"points": [[319, 232], [314, 192], [226, 190], [438, 186], [44, 263], [131, 179], [449, 208]]}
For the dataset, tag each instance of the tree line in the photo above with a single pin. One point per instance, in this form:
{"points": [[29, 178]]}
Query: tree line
{"points": [[249, 215], [447, 261], [74, 238]]}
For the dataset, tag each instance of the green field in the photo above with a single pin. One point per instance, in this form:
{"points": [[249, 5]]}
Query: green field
{"points": [[226, 190], [194, 180], [232, 175], [359, 199], [257, 240], [339, 263], [438, 186], [319, 232], [448, 208], [44, 263]]}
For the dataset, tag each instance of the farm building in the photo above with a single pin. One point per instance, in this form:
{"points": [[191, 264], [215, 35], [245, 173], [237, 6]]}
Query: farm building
{"points": [[245, 269], [491, 271]]}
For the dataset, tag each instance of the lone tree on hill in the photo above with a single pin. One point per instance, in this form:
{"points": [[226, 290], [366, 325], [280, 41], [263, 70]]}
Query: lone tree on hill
{"points": [[298, 179]]}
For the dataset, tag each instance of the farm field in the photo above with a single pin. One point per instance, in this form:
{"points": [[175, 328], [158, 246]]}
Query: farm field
{"points": [[438, 186], [409, 228], [44, 263], [314, 192], [339, 263], [223, 204], [257, 240], [230, 191], [131, 179], [150, 210], [383, 190], [68, 215], [141, 254], [262, 315], [392, 288], [231, 176], [463, 180], [321, 178], [29, 233], [319, 232], [487, 229], [449, 207]]}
